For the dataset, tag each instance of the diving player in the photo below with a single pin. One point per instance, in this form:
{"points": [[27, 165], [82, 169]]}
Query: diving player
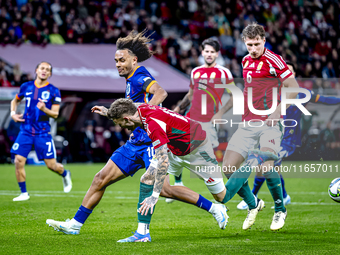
{"points": [[137, 153], [42, 102], [179, 142]]}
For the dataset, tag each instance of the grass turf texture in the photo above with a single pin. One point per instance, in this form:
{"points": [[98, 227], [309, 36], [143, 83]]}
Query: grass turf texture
{"points": [[176, 228]]}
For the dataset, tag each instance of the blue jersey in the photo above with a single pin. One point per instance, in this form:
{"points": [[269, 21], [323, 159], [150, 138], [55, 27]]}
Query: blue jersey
{"points": [[138, 151], [36, 121], [138, 85], [292, 135]]}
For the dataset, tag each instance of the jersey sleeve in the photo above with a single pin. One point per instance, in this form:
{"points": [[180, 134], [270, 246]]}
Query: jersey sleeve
{"points": [[281, 69], [56, 97], [157, 133], [21, 93], [191, 85], [146, 80]]}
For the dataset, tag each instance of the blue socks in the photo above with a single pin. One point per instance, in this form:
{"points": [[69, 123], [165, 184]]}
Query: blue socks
{"points": [[22, 186], [258, 181], [284, 192], [82, 214], [64, 173], [204, 203]]}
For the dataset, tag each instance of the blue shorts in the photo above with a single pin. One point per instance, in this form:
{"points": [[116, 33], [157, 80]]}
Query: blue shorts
{"points": [[286, 150], [135, 154], [43, 145]]}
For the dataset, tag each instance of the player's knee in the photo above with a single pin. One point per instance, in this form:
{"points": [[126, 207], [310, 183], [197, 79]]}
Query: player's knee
{"points": [[19, 162], [51, 166], [98, 180]]}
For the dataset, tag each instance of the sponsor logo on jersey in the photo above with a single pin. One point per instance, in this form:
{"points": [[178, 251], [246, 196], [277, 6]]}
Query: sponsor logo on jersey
{"points": [[246, 64], [49, 154], [259, 66], [155, 143], [252, 65], [272, 141], [28, 93]]}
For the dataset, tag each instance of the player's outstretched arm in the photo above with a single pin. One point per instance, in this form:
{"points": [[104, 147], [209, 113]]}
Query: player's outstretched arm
{"points": [[14, 105], [319, 99], [162, 168], [159, 94], [101, 110], [185, 101], [53, 112]]}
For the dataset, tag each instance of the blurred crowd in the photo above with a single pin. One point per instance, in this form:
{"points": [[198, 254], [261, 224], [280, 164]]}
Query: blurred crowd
{"points": [[303, 32]]}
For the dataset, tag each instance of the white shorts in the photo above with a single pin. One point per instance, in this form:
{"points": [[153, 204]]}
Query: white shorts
{"points": [[247, 138], [203, 163], [211, 131]]}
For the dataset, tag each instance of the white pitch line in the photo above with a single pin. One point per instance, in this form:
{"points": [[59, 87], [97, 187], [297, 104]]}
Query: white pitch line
{"points": [[61, 194]]}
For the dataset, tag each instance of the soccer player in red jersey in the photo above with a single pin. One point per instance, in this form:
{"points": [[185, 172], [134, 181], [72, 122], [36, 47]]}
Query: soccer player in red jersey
{"points": [[263, 70], [203, 91], [178, 142]]}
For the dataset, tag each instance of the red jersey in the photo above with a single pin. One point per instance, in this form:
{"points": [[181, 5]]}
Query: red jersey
{"points": [[263, 74], [163, 126], [202, 81]]}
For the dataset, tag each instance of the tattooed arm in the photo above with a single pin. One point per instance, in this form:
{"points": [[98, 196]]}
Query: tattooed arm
{"points": [[161, 171]]}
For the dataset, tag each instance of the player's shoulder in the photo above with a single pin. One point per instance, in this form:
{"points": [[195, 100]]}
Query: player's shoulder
{"points": [[223, 68], [197, 68], [27, 84], [141, 70], [246, 57], [274, 59]]}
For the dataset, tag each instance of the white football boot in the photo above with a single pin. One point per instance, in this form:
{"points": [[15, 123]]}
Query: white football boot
{"points": [[251, 217], [67, 182], [22, 197], [219, 212], [66, 227], [278, 220]]}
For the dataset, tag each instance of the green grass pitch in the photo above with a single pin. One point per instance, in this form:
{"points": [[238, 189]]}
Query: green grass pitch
{"points": [[312, 225]]}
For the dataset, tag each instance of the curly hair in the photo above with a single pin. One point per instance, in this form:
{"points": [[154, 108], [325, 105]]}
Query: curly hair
{"points": [[136, 44], [121, 106], [252, 31]]}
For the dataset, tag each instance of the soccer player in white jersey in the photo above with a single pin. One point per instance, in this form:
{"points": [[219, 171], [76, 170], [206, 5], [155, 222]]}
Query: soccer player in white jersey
{"points": [[263, 71]]}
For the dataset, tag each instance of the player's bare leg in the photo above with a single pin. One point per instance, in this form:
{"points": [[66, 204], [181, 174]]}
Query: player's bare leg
{"points": [[108, 175], [20, 174], [58, 168]]}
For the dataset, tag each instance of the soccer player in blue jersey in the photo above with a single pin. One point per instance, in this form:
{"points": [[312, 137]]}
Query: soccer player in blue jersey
{"points": [[42, 102], [291, 139], [138, 152]]}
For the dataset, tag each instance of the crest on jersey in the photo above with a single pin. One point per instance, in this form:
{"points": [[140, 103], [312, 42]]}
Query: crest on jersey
{"points": [[197, 75], [259, 66], [212, 77], [127, 91], [45, 95], [246, 64]]}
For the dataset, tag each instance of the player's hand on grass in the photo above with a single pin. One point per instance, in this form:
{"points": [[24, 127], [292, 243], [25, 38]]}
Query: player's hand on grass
{"points": [[101, 110], [18, 117], [41, 104], [147, 204]]}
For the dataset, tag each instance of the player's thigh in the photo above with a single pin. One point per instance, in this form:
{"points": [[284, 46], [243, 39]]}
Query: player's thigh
{"points": [[23, 145], [232, 161], [243, 140], [176, 164], [270, 139], [131, 157], [44, 147], [211, 131], [109, 174], [204, 164]]}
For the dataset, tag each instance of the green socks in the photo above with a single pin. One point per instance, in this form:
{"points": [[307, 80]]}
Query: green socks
{"points": [[238, 183], [275, 188], [144, 192]]}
